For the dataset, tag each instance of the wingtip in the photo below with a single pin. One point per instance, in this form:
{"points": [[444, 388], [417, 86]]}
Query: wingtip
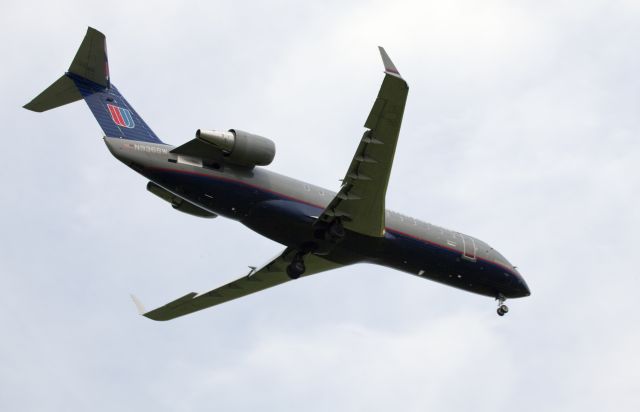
{"points": [[139, 305], [389, 67]]}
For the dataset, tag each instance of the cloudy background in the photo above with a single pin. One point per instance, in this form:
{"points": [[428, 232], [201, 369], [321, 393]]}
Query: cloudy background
{"points": [[521, 129]]}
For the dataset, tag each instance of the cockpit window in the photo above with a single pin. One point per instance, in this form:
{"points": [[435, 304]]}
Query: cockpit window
{"points": [[490, 253], [499, 258]]}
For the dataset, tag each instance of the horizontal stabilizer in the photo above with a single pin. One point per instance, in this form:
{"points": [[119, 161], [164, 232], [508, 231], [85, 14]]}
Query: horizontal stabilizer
{"points": [[88, 78], [90, 63], [62, 91]]}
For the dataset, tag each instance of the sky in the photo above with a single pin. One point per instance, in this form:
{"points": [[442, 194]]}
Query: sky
{"points": [[521, 129]]}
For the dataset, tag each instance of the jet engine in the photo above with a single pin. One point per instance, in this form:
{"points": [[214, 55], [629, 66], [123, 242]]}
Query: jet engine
{"points": [[241, 148], [177, 203]]}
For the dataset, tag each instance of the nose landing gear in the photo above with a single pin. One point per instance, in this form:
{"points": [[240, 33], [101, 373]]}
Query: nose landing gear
{"points": [[502, 308]]}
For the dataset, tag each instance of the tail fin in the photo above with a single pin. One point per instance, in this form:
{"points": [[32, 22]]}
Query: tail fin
{"points": [[88, 79]]}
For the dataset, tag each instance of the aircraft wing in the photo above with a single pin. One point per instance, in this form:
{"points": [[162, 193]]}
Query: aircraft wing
{"points": [[271, 274], [360, 203]]}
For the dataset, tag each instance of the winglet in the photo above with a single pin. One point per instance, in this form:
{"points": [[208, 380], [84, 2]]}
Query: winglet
{"points": [[139, 305], [389, 67]]}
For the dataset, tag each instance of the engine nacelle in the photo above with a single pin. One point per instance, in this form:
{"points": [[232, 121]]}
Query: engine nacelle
{"points": [[239, 147], [177, 203]]}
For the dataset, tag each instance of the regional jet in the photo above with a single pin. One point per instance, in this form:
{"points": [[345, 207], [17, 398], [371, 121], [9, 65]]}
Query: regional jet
{"points": [[222, 173]]}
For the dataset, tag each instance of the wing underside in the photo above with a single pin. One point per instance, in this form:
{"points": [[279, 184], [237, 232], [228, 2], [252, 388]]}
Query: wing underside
{"points": [[360, 202], [359, 205], [271, 274]]}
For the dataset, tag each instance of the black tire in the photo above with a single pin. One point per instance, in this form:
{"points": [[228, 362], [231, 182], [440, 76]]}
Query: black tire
{"points": [[500, 311], [295, 269], [334, 233], [336, 230], [505, 308]]}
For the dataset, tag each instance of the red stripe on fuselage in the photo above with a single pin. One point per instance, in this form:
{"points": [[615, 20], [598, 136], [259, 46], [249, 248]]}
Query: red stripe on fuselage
{"points": [[282, 195], [226, 179]]}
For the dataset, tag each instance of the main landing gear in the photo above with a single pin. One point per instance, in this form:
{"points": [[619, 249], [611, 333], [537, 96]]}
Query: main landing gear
{"points": [[502, 308], [335, 231], [296, 268]]}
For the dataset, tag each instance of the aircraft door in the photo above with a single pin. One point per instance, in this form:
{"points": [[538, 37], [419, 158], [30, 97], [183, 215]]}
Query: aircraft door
{"points": [[469, 247]]}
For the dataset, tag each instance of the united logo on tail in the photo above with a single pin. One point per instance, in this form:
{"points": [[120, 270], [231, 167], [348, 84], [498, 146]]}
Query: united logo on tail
{"points": [[121, 116]]}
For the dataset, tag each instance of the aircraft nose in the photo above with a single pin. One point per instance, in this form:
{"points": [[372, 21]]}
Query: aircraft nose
{"points": [[521, 287]]}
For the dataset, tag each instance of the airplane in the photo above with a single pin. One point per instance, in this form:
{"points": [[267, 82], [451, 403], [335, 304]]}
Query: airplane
{"points": [[222, 173]]}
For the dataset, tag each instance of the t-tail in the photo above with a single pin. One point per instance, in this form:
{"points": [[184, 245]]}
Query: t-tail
{"points": [[88, 79]]}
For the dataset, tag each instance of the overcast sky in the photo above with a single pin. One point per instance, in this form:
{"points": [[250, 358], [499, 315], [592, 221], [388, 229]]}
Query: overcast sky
{"points": [[521, 128]]}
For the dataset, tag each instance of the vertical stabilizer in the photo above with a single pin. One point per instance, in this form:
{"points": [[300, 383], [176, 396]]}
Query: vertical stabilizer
{"points": [[88, 79], [91, 61]]}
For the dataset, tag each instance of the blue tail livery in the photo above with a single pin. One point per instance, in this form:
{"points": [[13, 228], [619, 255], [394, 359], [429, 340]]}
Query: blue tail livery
{"points": [[88, 79]]}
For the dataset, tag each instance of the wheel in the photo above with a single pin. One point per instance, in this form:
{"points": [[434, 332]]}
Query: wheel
{"points": [[335, 232], [505, 308], [296, 268], [500, 311]]}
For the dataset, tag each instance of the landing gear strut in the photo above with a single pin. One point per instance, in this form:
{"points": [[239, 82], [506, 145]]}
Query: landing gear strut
{"points": [[296, 268], [502, 308]]}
